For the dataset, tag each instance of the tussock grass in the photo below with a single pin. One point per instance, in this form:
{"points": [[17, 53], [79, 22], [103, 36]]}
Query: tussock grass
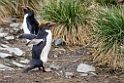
{"points": [[71, 17], [110, 37], [12, 7]]}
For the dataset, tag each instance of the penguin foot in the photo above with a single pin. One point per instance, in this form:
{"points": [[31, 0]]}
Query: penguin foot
{"points": [[47, 70], [24, 71]]}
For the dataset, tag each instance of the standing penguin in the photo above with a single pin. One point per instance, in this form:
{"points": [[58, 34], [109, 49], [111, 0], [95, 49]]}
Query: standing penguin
{"points": [[41, 45], [30, 24]]}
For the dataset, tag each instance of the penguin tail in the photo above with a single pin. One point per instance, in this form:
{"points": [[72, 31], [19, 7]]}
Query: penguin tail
{"points": [[28, 36]]}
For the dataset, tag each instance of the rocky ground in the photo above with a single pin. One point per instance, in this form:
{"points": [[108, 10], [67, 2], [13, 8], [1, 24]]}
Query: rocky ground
{"points": [[68, 66]]}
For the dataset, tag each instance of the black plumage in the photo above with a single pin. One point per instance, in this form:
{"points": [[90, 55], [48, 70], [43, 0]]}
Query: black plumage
{"points": [[32, 23], [41, 45]]}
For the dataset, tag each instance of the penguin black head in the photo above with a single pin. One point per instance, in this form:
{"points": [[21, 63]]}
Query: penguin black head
{"points": [[46, 25], [27, 9]]}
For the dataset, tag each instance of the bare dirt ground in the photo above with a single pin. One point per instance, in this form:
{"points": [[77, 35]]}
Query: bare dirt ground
{"points": [[68, 60]]}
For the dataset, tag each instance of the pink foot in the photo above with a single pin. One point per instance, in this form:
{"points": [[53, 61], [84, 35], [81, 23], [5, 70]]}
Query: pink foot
{"points": [[47, 70]]}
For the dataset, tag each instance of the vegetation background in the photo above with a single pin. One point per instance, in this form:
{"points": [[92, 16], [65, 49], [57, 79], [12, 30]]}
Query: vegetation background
{"points": [[96, 24]]}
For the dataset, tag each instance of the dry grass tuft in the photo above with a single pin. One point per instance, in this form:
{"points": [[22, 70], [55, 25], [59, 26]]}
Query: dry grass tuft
{"points": [[75, 37], [111, 58], [109, 34], [72, 19], [12, 7]]}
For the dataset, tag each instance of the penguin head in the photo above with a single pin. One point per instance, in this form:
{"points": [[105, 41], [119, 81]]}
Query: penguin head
{"points": [[46, 25], [27, 9]]}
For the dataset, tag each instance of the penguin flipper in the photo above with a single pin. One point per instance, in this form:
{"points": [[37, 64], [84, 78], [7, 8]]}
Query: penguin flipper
{"points": [[28, 36], [35, 41], [36, 27]]}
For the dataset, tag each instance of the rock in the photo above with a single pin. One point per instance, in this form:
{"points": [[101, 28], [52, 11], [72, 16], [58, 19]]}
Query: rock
{"points": [[3, 67], [10, 19], [7, 76], [89, 53], [60, 73], [16, 51], [9, 37], [3, 34], [18, 64], [69, 74], [21, 27], [16, 29], [60, 50], [1, 29], [2, 48], [25, 61], [84, 74], [85, 68], [55, 56], [92, 73], [4, 55], [54, 67], [5, 46], [57, 73], [58, 41], [14, 25]]}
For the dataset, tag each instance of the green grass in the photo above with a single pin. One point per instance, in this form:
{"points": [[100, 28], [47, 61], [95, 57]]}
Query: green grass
{"points": [[70, 15], [66, 12], [110, 34], [12, 7]]}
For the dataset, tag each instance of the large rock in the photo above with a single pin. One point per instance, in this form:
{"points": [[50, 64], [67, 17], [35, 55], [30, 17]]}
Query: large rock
{"points": [[1, 29], [85, 68], [54, 67], [14, 25], [10, 19], [15, 28], [9, 37], [24, 61], [18, 64], [57, 41], [4, 55], [3, 67], [69, 75], [3, 34], [16, 51]]}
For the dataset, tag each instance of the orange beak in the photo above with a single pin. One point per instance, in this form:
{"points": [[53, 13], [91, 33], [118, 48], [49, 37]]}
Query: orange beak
{"points": [[23, 7], [52, 24], [119, 1]]}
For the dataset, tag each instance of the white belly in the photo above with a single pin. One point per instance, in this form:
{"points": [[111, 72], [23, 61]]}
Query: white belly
{"points": [[46, 49], [25, 27]]}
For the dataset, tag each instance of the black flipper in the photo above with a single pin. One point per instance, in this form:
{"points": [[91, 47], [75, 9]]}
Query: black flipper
{"points": [[35, 41], [31, 28], [28, 36], [36, 27]]}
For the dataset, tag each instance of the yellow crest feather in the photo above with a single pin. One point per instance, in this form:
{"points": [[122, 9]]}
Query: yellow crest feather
{"points": [[43, 23], [30, 8]]}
